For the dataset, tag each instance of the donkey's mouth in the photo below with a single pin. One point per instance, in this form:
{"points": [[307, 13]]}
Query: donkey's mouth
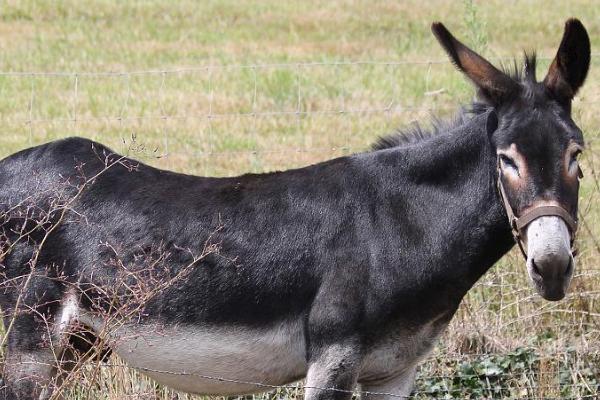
{"points": [[551, 288]]}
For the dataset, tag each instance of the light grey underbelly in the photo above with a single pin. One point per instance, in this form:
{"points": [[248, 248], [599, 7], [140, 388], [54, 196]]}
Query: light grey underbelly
{"points": [[214, 360], [235, 360]]}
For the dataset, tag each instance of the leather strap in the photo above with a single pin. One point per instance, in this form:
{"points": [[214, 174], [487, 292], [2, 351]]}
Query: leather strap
{"points": [[541, 211]]}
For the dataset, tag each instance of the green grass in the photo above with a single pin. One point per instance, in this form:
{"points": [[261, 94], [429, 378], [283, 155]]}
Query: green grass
{"points": [[231, 87]]}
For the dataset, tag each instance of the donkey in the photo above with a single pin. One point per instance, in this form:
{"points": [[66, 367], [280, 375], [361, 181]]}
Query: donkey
{"points": [[344, 272]]}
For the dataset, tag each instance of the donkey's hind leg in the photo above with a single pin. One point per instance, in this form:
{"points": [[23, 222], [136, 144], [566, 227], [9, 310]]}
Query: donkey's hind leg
{"points": [[45, 372], [36, 342], [30, 363]]}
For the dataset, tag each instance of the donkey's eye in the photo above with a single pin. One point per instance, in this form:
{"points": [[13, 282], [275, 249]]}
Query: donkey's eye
{"points": [[575, 156], [574, 164], [508, 162]]}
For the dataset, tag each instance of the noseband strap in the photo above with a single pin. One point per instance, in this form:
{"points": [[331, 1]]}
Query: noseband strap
{"points": [[517, 224], [541, 211]]}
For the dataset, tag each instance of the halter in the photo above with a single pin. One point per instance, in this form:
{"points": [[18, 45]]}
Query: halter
{"points": [[517, 224]]}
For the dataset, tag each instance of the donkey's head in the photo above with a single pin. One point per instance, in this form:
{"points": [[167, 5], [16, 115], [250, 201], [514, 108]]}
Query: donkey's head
{"points": [[537, 145]]}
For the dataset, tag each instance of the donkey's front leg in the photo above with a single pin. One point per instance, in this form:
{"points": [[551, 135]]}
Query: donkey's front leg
{"points": [[332, 372], [334, 341]]}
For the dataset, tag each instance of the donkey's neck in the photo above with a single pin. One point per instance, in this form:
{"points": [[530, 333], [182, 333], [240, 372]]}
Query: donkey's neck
{"points": [[441, 195]]}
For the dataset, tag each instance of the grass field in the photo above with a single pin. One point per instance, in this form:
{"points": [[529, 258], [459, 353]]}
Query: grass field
{"points": [[226, 87]]}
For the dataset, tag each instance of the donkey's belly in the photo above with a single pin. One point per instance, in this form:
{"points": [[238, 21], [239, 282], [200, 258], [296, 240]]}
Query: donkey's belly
{"points": [[215, 360]]}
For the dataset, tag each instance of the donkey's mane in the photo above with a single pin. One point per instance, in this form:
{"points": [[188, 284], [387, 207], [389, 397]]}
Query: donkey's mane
{"points": [[415, 133]]}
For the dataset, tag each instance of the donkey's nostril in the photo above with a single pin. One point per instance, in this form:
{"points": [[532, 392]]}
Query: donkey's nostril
{"points": [[551, 269], [569, 268], [535, 267]]}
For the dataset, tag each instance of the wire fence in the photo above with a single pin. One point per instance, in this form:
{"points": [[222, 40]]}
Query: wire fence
{"points": [[146, 97], [504, 342]]}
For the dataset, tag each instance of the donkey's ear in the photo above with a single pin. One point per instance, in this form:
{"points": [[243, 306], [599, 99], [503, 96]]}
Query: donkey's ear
{"points": [[494, 85], [570, 66]]}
